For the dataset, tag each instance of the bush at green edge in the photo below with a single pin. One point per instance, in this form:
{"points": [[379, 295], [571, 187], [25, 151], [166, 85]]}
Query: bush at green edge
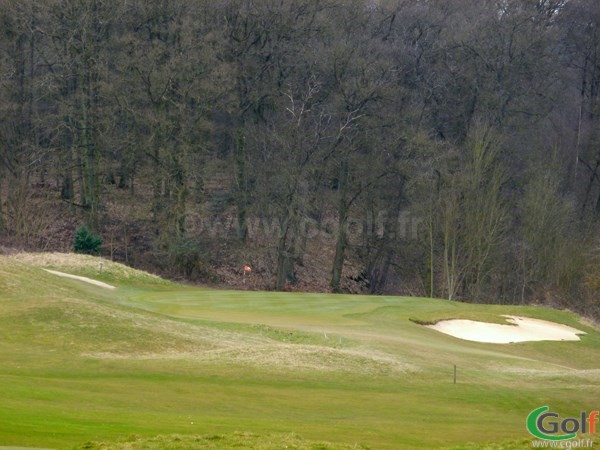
{"points": [[86, 242]]}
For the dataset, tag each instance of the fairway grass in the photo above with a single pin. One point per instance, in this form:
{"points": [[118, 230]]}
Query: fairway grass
{"points": [[153, 364]]}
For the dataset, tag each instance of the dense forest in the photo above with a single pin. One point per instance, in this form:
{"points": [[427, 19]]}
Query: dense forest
{"points": [[426, 147]]}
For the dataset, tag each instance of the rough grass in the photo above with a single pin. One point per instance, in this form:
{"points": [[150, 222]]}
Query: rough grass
{"points": [[179, 366], [511, 445], [270, 442], [236, 440], [525, 444]]}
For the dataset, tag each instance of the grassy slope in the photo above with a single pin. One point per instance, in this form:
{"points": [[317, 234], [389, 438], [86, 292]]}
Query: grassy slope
{"points": [[264, 370]]}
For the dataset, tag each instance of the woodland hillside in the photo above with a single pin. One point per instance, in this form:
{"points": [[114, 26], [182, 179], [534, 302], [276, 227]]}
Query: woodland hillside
{"points": [[428, 147]]}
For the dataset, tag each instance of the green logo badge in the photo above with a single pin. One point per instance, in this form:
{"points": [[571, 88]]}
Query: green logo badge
{"points": [[545, 425]]}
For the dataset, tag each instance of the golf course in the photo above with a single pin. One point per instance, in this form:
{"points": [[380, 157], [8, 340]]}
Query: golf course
{"points": [[154, 364]]}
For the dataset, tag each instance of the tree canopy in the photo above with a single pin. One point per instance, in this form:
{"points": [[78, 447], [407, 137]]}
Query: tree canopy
{"points": [[440, 148]]}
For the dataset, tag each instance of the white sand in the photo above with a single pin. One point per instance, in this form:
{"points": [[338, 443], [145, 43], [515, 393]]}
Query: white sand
{"points": [[525, 329], [77, 277]]}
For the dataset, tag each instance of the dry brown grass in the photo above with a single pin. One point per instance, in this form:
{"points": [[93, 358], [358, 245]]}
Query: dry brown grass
{"points": [[311, 358], [77, 263], [215, 347]]}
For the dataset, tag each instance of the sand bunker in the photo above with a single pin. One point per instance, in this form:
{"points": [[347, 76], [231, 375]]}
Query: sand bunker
{"points": [[524, 329], [77, 277]]}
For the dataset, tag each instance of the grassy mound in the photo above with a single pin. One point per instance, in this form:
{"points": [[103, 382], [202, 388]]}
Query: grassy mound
{"points": [[88, 266]]}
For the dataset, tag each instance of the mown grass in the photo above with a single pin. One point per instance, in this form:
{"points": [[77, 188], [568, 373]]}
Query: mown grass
{"points": [[158, 365]]}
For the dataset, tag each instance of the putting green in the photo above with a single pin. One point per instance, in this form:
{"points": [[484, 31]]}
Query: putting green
{"points": [[153, 364]]}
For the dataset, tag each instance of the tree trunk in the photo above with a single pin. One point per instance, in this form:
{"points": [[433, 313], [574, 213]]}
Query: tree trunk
{"points": [[181, 193], [1, 200], [89, 155], [431, 254], [242, 195], [341, 243], [157, 199], [452, 270], [590, 184], [66, 190], [83, 200], [285, 255]]}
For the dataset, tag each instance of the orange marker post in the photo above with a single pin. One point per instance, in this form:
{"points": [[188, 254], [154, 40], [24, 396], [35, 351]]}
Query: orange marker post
{"points": [[245, 269]]}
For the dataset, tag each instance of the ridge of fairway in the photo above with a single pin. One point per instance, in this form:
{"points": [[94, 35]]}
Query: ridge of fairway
{"points": [[81, 278]]}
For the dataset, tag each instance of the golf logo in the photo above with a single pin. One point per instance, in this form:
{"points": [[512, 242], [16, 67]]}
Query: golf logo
{"points": [[549, 426]]}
